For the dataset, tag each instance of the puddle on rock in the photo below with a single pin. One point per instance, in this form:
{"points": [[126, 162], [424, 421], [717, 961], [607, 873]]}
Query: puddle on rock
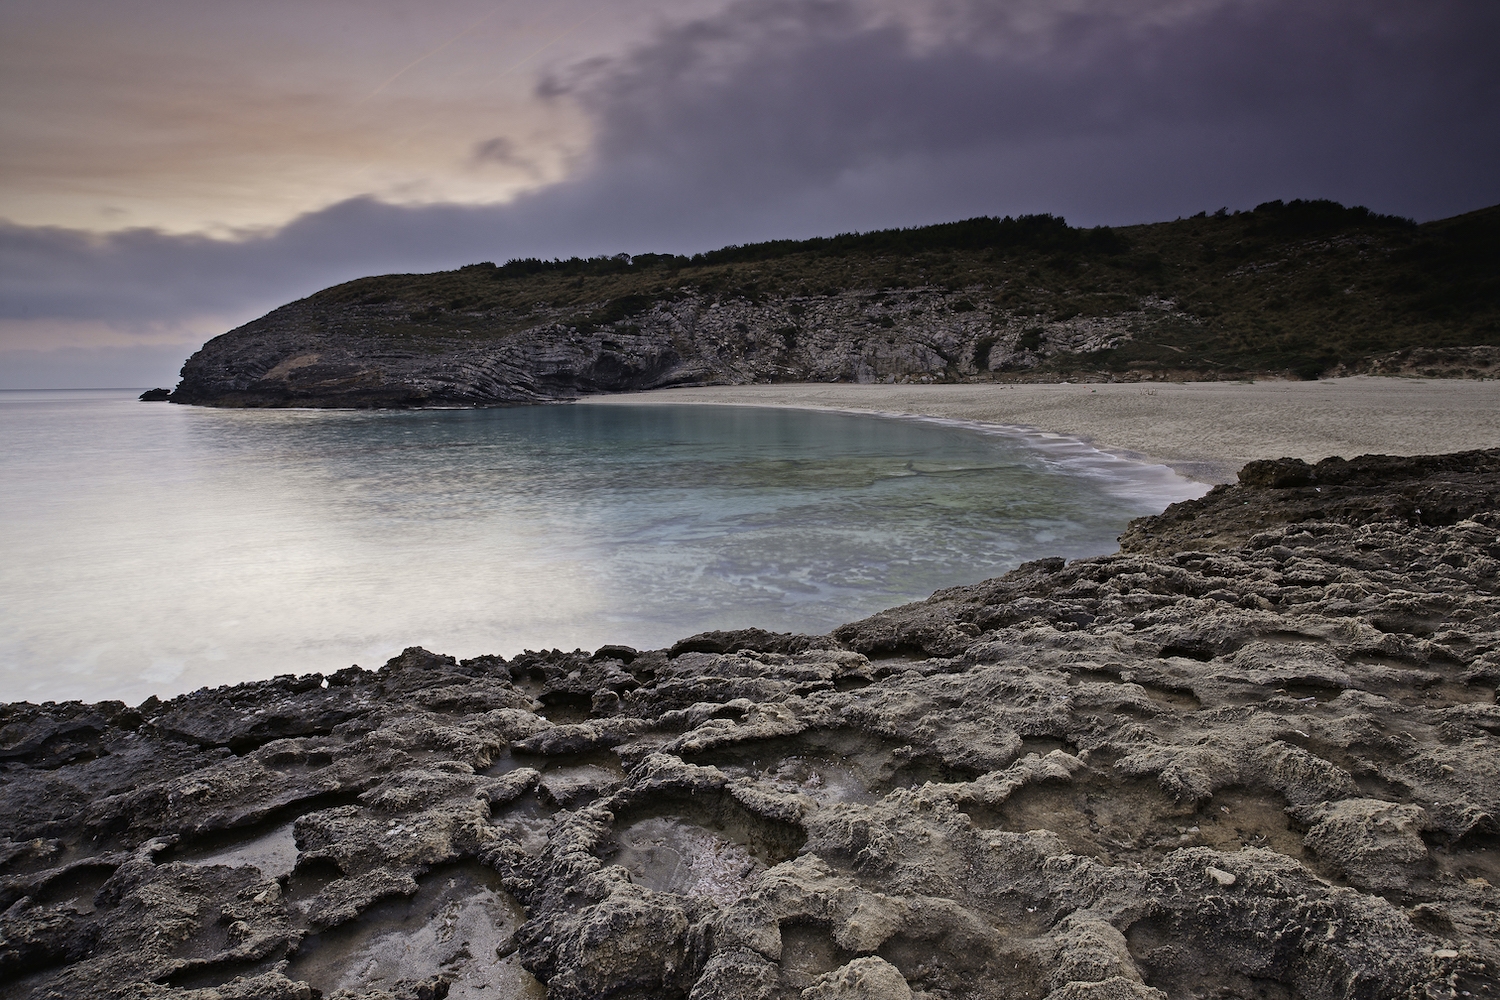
{"points": [[76, 887], [527, 822], [456, 925], [274, 851], [823, 780], [507, 761], [569, 788], [833, 765], [304, 884], [562, 708], [665, 854], [1112, 819], [504, 763], [716, 849]]}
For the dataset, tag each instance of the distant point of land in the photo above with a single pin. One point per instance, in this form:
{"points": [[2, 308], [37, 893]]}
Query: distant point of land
{"points": [[1300, 289]]}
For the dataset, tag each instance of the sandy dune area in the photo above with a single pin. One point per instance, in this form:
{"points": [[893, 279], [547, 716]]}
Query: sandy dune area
{"points": [[1204, 430]]}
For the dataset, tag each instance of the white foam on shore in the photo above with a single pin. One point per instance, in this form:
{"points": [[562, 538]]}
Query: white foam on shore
{"points": [[154, 550], [1122, 474]]}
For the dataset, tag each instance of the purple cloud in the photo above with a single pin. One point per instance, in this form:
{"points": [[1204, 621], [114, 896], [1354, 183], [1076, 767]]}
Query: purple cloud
{"points": [[777, 119]]}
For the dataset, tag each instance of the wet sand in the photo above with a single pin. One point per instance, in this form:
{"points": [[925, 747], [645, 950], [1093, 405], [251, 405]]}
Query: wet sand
{"points": [[1204, 430]]}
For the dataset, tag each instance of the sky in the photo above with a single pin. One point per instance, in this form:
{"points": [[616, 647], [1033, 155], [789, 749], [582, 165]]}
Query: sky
{"points": [[170, 169]]}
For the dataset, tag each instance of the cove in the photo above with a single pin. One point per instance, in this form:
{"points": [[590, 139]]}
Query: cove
{"points": [[153, 549]]}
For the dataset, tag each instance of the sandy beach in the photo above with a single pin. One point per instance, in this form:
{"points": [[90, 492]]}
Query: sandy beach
{"points": [[1204, 430]]}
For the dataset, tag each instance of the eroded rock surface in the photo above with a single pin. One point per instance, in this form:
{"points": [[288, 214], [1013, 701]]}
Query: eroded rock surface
{"points": [[1256, 753], [327, 351]]}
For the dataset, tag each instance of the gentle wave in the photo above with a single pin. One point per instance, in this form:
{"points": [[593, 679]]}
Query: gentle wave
{"points": [[153, 549]]}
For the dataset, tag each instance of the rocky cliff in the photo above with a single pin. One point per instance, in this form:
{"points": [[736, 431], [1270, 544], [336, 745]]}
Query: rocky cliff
{"points": [[1287, 290], [1255, 753], [306, 354]]}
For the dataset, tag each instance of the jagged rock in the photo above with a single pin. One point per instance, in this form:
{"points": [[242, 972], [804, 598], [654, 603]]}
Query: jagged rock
{"points": [[357, 840], [1091, 950], [573, 786], [508, 787], [1376, 845], [327, 351], [346, 898], [271, 986], [1114, 988], [862, 979], [748, 638], [583, 738], [1433, 490], [1276, 473]]}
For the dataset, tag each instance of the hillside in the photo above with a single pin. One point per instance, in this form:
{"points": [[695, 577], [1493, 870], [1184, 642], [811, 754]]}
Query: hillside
{"points": [[1298, 289]]}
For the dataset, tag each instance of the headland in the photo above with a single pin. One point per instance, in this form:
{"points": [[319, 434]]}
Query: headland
{"points": [[1304, 290]]}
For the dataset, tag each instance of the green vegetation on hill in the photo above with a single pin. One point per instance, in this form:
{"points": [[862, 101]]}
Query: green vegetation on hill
{"points": [[1294, 287]]}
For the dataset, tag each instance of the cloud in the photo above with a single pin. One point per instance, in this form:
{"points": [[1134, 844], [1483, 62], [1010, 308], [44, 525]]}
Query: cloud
{"points": [[778, 118], [114, 367], [497, 150], [1108, 112]]}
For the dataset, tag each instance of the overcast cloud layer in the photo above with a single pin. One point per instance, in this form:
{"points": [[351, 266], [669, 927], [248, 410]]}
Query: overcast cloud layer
{"points": [[786, 119]]}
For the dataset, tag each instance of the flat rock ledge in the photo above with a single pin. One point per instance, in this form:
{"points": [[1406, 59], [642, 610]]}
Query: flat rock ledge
{"points": [[1255, 753]]}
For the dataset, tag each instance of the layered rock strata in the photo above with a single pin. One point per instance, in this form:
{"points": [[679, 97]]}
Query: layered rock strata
{"points": [[336, 354], [1255, 753]]}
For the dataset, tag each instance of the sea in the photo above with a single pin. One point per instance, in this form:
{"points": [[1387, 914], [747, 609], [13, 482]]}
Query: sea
{"points": [[152, 549]]}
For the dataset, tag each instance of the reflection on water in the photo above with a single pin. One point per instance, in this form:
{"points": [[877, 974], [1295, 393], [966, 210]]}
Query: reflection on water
{"points": [[670, 855], [274, 852], [157, 548], [460, 925]]}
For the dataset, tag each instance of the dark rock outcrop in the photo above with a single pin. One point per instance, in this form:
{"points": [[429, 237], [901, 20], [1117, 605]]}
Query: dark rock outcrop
{"points": [[332, 353], [1254, 753], [1430, 490]]}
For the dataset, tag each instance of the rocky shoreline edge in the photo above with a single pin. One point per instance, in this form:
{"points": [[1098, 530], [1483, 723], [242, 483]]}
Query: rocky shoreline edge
{"points": [[1255, 753]]}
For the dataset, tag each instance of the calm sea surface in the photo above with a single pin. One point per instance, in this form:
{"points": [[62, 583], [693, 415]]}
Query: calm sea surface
{"points": [[154, 549]]}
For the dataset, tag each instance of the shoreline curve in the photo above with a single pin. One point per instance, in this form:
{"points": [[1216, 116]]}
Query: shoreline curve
{"points": [[1205, 431]]}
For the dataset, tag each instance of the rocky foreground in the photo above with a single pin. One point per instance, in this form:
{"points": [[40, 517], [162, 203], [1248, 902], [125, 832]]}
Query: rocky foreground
{"points": [[1256, 753]]}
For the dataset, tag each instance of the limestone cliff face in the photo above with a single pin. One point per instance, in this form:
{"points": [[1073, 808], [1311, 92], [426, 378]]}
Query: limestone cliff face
{"points": [[381, 354]]}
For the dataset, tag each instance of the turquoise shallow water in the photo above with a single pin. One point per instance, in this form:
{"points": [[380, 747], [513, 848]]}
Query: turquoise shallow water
{"points": [[152, 549]]}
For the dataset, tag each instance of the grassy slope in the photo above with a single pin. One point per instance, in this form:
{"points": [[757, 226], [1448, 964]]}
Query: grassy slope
{"points": [[1296, 287]]}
